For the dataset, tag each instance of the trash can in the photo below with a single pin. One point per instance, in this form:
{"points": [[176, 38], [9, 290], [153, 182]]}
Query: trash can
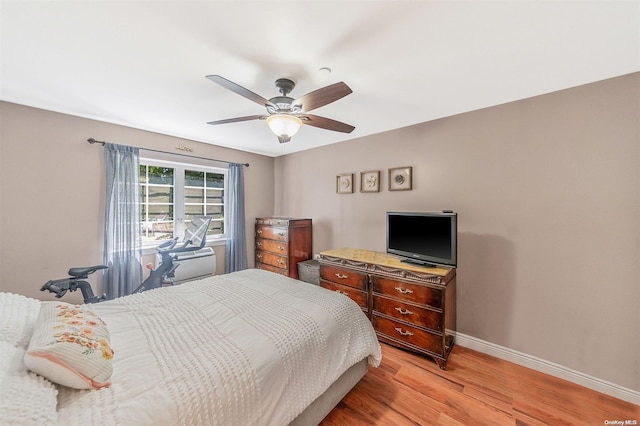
{"points": [[309, 271]]}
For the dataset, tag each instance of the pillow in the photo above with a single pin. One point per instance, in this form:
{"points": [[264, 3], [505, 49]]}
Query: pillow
{"points": [[25, 398], [17, 317], [70, 346]]}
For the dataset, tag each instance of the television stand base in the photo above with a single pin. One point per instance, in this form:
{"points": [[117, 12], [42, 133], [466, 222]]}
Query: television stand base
{"points": [[419, 263]]}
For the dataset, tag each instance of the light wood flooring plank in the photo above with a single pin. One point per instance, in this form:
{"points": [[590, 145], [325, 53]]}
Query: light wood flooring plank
{"points": [[476, 389]]}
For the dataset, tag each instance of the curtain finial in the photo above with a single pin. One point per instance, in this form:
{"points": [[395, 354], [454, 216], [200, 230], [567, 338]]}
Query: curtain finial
{"points": [[92, 141]]}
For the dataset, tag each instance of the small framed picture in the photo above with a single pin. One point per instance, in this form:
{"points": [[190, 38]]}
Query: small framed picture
{"points": [[400, 179], [344, 183], [370, 181]]}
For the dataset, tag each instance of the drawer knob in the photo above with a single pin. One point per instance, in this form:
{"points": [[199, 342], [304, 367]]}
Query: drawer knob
{"points": [[280, 247], [404, 311], [403, 333], [404, 290], [259, 256], [259, 231], [280, 234], [341, 276], [259, 244], [280, 262]]}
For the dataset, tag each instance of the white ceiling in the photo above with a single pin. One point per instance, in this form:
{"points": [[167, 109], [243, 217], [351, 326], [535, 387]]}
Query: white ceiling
{"points": [[143, 64]]}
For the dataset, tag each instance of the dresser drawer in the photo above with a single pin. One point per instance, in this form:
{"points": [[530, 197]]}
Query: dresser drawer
{"points": [[344, 276], [272, 233], [272, 259], [402, 332], [272, 246], [417, 315], [272, 221], [406, 291], [360, 297], [272, 269]]}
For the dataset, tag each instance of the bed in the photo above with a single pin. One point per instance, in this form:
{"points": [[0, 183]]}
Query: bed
{"points": [[247, 348]]}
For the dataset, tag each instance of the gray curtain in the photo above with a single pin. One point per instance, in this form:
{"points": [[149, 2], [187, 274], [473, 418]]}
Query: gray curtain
{"points": [[122, 252], [236, 245]]}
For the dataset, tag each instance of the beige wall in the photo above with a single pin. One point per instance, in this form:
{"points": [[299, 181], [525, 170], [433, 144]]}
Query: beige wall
{"points": [[548, 195], [547, 190], [52, 189]]}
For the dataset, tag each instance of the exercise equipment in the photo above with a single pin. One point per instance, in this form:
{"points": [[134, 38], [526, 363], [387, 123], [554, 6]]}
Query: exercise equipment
{"points": [[194, 239]]}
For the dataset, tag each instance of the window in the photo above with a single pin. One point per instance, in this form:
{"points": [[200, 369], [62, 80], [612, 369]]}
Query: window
{"points": [[172, 193]]}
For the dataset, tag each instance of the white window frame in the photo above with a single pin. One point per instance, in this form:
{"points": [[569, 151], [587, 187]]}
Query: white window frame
{"points": [[179, 207]]}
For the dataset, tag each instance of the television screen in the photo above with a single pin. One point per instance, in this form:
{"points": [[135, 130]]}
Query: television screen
{"points": [[423, 238]]}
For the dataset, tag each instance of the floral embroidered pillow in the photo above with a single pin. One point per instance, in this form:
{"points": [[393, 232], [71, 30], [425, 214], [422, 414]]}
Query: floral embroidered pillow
{"points": [[70, 346]]}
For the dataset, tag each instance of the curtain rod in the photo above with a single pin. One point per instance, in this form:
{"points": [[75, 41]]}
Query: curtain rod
{"points": [[93, 141]]}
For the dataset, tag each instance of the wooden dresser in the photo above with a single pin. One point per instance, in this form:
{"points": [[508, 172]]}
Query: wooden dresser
{"points": [[281, 243], [410, 306]]}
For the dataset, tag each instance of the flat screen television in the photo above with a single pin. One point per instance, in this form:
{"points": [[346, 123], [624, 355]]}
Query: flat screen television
{"points": [[428, 238]]}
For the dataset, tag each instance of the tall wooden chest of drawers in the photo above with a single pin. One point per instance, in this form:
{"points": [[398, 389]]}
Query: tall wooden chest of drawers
{"points": [[412, 307], [281, 243]]}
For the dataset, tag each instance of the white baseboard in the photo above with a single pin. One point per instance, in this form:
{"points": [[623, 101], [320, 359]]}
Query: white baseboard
{"points": [[548, 367]]}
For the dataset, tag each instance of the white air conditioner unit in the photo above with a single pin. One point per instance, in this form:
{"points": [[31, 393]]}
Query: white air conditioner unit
{"points": [[192, 264]]}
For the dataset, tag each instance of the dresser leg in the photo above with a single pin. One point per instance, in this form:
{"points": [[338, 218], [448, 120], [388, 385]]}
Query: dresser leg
{"points": [[441, 363]]}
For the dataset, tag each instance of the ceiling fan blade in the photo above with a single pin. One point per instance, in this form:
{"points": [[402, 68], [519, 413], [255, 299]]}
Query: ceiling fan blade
{"points": [[240, 90], [237, 119], [322, 96], [326, 123]]}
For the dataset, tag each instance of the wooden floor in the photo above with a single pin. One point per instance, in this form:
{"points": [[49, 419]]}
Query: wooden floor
{"points": [[476, 389]]}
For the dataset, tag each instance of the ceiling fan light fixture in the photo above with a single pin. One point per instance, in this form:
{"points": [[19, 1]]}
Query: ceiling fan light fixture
{"points": [[284, 126], [284, 112]]}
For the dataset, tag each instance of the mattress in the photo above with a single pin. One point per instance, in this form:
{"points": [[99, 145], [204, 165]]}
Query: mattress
{"points": [[248, 348]]}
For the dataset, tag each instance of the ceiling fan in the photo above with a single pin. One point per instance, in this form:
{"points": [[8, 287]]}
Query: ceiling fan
{"points": [[285, 114]]}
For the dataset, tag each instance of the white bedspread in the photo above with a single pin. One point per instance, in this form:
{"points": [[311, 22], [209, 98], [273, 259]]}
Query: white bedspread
{"points": [[249, 348]]}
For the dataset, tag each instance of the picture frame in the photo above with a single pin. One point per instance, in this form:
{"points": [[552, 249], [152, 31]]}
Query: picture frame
{"points": [[400, 178], [370, 181], [344, 183]]}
